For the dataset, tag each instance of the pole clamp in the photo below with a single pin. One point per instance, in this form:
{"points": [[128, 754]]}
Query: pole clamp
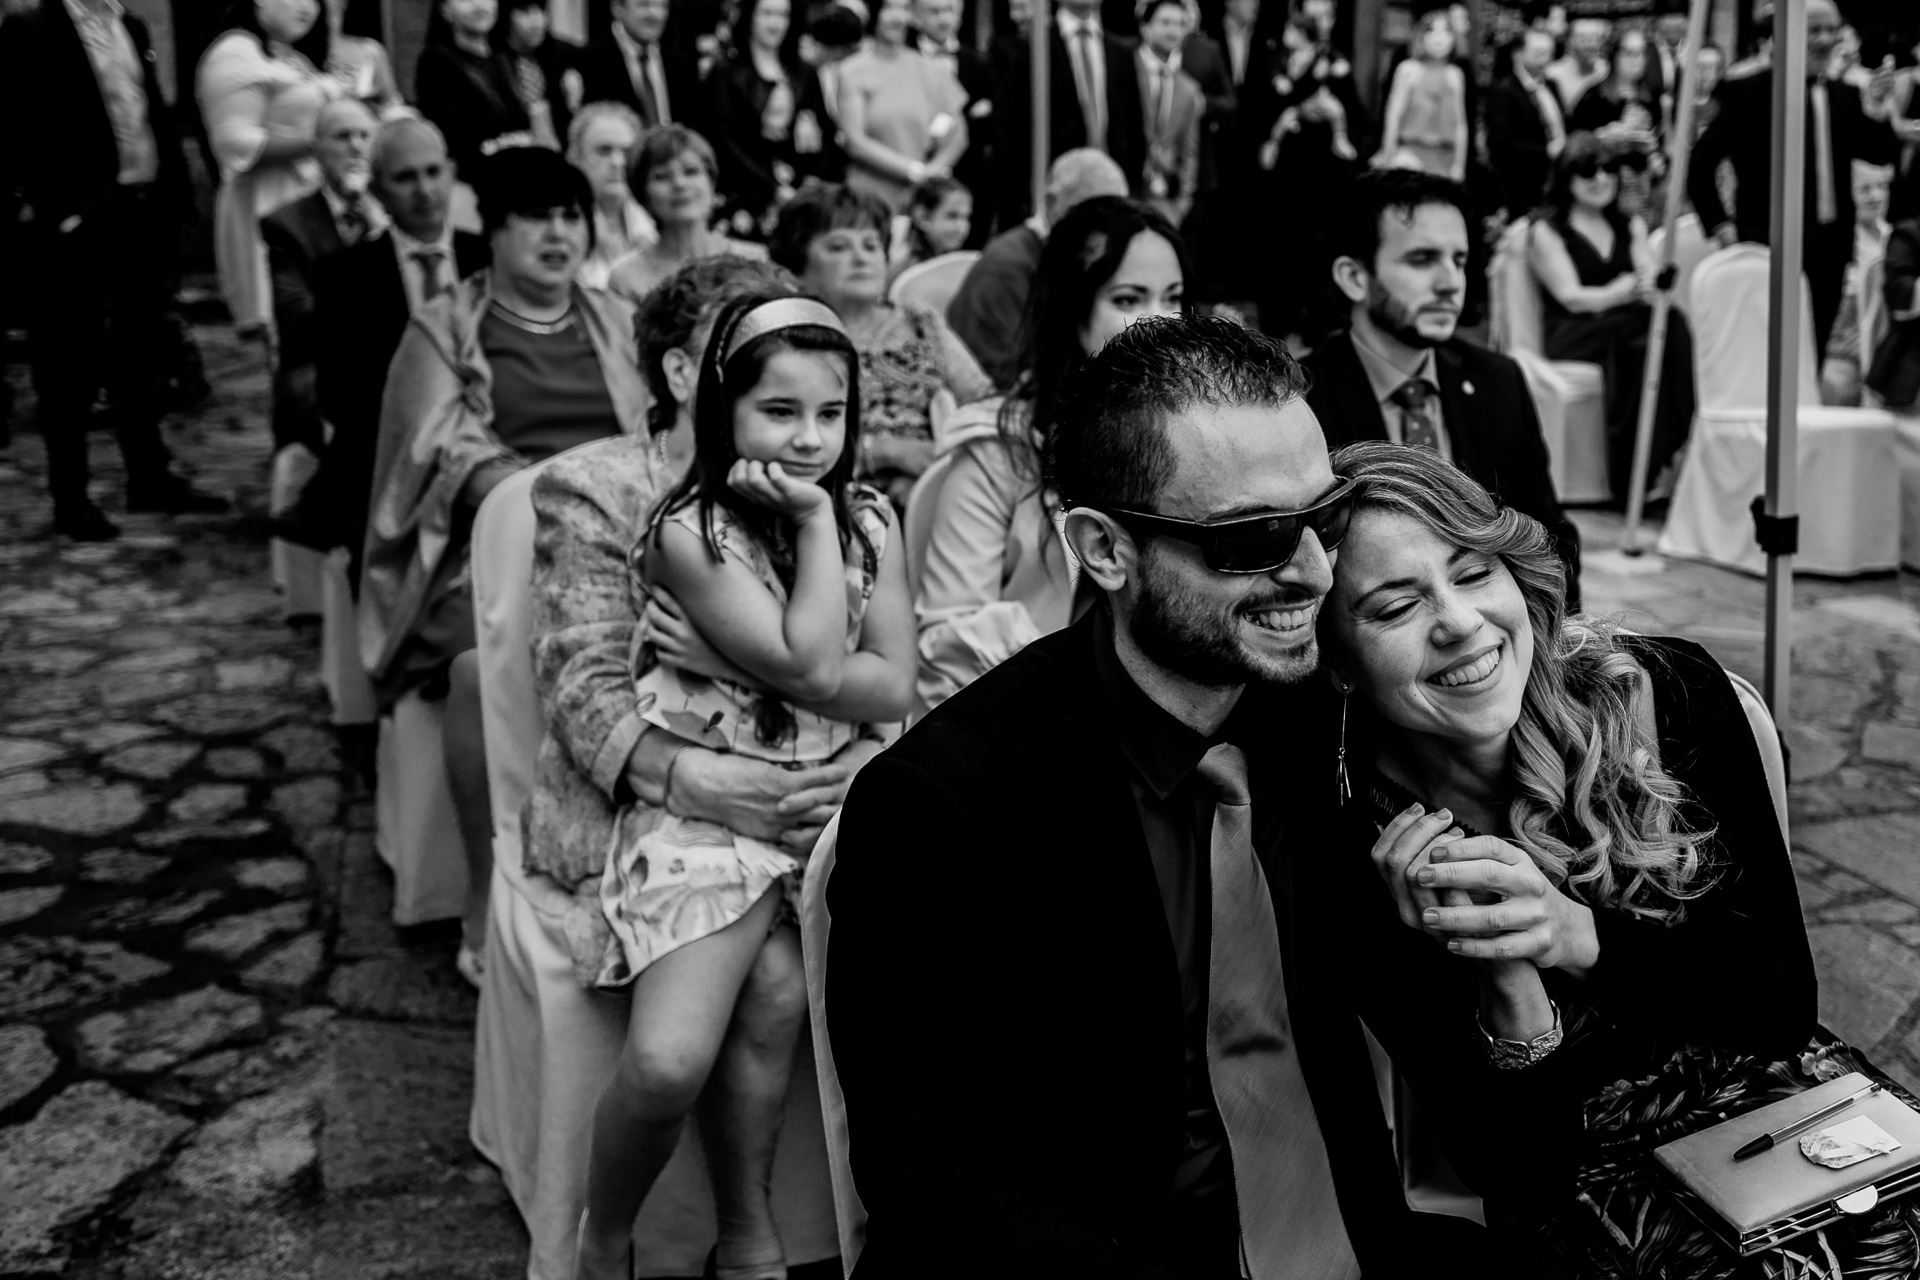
{"points": [[1777, 535]]}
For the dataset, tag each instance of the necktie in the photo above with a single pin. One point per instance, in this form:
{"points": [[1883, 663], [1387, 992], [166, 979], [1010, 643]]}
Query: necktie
{"points": [[649, 104], [1826, 203], [353, 221], [1161, 103], [429, 260], [1415, 398], [1550, 115], [1290, 1221], [1092, 97]]}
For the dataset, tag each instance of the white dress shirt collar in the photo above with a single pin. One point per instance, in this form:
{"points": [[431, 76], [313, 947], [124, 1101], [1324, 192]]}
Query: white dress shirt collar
{"points": [[1070, 25]]}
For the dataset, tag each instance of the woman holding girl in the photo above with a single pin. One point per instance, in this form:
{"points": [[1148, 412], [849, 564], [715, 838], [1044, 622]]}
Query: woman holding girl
{"points": [[995, 576], [793, 578], [1426, 117]]}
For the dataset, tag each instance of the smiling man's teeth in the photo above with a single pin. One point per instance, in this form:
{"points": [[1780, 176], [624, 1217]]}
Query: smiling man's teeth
{"points": [[1281, 619], [1474, 672]]}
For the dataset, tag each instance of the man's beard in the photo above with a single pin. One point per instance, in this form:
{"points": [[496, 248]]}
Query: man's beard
{"points": [[1395, 318], [1186, 635]]}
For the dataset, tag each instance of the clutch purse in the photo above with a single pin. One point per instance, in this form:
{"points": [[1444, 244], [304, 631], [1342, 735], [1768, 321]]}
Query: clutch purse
{"points": [[1762, 1202]]}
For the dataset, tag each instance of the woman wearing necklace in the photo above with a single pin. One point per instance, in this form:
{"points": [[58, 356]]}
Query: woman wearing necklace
{"points": [[673, 175], [467, 87], [513, 366]]}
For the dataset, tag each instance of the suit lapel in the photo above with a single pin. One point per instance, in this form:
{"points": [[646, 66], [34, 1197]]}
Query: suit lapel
{"points": [[1459, 406], [79, 73], [1352, 392]]}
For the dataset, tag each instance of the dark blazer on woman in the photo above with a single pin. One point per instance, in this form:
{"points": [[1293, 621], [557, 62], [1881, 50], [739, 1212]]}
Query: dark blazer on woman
{"points": [[737, 97], [471, 97], [1894, 368]]}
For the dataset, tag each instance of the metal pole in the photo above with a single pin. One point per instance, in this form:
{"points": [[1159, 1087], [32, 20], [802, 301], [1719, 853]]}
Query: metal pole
{"points": [[1679, 152], [1040, 54], [1783, 336]]}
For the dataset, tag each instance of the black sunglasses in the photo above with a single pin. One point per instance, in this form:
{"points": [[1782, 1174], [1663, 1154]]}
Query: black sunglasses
{"points": [[1258, 543], [1589, 168]]}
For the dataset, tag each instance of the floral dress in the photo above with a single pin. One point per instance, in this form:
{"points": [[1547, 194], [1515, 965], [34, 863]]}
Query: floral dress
{"points": [[671, 880], [909, 360]]}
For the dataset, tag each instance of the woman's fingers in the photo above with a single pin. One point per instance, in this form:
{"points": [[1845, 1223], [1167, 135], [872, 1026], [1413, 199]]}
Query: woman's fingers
{"points": [[1486, 921], [1483, 847], [1528, 944], [1397, 849], [1481, 875]]}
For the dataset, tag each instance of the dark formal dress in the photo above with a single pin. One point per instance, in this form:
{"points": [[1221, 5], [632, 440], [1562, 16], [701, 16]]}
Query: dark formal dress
{"points": [[758, 150], [1893, 369], [1677, 1027], [472, 97], [1616, 340]]}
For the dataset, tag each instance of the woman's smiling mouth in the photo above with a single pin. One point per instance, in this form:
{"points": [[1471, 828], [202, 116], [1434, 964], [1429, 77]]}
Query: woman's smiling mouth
{"points": [[1470, 671]]}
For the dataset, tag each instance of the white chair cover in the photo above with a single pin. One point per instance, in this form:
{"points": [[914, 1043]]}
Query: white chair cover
{"points": [[544, 1047], [297, 571], [934, 282], [1570, 395], [916, 526], [1691, 248], [815, 925], [1773, 756], [1906, 446], [1849, 481], [348, 687], [415, 829]]}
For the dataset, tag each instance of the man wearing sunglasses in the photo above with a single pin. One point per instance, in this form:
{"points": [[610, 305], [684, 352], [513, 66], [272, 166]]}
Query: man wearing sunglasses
{"points": [[1072, 999]]}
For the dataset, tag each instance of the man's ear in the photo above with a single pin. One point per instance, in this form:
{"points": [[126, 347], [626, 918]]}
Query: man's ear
{"points": [[1351, 278], [1106, 550]]}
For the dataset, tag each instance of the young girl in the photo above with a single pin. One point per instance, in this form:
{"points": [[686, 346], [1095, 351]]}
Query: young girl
{"points": [[939, 216], [1426, 117], [794, 581]]}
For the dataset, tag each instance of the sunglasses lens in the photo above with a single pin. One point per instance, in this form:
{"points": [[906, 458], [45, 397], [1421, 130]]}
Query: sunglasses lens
{"points": [[1331, 521], [1254, 546]]}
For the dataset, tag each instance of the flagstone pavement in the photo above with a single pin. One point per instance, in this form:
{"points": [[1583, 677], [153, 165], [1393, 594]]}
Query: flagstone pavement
{"points": [[219, 1060]]}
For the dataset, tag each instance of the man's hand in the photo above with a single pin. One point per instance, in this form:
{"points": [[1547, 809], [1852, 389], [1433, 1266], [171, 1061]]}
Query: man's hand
{"points": [[812, 808], [750, 796]]}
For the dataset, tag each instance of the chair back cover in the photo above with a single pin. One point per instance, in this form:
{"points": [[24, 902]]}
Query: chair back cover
{"points": [[916, 526], [1766, 736], [1730, 314], [815, 925], [933, 283]]}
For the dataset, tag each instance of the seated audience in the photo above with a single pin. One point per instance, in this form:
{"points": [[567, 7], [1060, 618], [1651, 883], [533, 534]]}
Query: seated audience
{"points": [[902, 114], [301, 236], [996, 575], [467, 87], [764, 152], [1398, 372], [634, 62], [1174, 108], [1578, 906], [1426, 125], [545, 67], [673, 175], [1894, 374], [359, 65], [1596, 281], [601, 144], [835, 240], [811, 629], [938, 220], [992, 303], [1155, 1042], [512, 366], [260, 89], [361, 305]]}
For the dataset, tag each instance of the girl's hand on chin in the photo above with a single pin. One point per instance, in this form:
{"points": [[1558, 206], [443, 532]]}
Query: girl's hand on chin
{"points": [[768, 484], [1513, 913]]}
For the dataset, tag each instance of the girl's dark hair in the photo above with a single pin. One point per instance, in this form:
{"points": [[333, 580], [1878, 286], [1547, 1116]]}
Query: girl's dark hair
{"points": [[927, 196], [1081, 253], [244, 15], [725, 376]]}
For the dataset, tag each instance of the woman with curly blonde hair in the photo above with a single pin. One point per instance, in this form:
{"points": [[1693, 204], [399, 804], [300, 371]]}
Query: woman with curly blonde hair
{"points": [[1577, 932]]}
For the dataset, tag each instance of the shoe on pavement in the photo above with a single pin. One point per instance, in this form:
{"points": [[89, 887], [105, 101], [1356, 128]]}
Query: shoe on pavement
{"points": [[84, 522], [174, 497]]}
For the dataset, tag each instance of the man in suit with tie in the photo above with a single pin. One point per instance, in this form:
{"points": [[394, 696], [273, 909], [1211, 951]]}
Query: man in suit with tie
{"points": [[1130, 1070], [361, 309], [1095, 102], [1526, 125], [1842, 126], [299, 237], [1174, 107], [1399, 259], [635, 62], [89, 143]]}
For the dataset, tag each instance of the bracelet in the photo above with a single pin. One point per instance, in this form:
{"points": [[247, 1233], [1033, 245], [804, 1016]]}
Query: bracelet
{"points": [[666, 783], [1515, 1055]]}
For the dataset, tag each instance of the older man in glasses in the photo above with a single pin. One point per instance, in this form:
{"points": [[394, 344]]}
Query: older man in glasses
{"points": [[1072, 998]]}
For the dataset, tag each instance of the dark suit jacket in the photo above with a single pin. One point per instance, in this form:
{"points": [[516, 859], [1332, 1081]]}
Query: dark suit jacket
{"points": [[1202, 58], [1490, 420], [1894, 370], [1741, 132], [1013, 136], [1003, 996], [990, 308], [360, 313], [298, 237], [473, 101], [57, 147], [1517, 145], [603, 72]]}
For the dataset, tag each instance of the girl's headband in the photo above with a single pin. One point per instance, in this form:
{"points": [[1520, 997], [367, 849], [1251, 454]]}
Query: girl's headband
{"points": [[781, 313]]}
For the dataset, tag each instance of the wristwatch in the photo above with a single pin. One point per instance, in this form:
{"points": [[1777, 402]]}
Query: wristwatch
{"points": [[1516, 1055]]}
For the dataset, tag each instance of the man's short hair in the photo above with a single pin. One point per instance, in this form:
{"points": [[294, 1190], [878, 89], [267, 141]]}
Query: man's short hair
{"points": [[1354, 230], [1110, 445], [1079, 175], [594, 111], [392, 132], [1146, 9]]}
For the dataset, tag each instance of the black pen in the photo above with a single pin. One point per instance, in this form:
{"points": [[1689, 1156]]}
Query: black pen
{"points": [[1766, 1140]]}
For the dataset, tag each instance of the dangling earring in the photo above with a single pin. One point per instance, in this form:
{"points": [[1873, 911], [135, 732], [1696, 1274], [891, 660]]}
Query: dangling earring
{"points": [[1340, 783]]}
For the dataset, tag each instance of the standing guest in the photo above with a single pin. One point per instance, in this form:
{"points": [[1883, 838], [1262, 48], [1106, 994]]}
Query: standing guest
{"points": [[835, 240], [755, 110], [1398, 243], [1202, 58], [1713, 69], [1174, 106], [630, 63], [903, 115], [936, 35], [360, 66], [995, 575], [1666, 57], [467, 87], [809, 610], [1624, 112], [1596, 278], [1893, 369], [515, 364], [1526, 125], [1849, 350], [1426, 116], [991, 307], [1584, 65], [545, 67], [92, 149], [260, 89], [939, 221], [1235, 224], [300, 237], [1188, 1098], [1840, 130], [601, 144], [834, 34], [1093, 101], [673, 174]]}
